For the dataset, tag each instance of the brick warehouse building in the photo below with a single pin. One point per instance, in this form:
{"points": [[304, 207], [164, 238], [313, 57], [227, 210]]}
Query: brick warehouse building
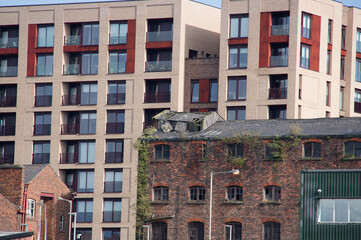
{"points": [[264, 201]]}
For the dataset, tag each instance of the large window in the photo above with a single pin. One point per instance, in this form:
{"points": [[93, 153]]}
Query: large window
{"points": [[113, 180], [339, 211], [116, 92], [111, 233], [159, 231], [238, 56], [84, 209], [234, 193], [357, 101], [233, 230], [42, 124], [84, 233], [161, 152], [343, 37], [352, 149], [271, 231], [117, 62], [44, 65], [115, 122], [312, 150], [280, 23], [112, 210], [201, 88], [91, 34], [160, 194], [237, 88], [277, 112], [41, 152], [305, 56], [195, 91], [342, 67], [89, 93], [213, 91], [306, 25], [236, 113], [85, 181], [358, 40], [272, 193], [239, 26], [328, 62], [118, 32], [89, 63], [45, 36], [86, 152], [43, 94], [160, 30], [196, 231], [8, 66], [329, 33], [279, 55], [197, 193], [30, 208], [7, 152], [114, 153], [88, 123], [278, 87], [358, 70]]}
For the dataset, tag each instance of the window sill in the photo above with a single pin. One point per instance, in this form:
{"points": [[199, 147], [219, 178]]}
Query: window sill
{"points": [[272, 159], [270, 202], [159, 203], [236, 100], [311, 158], [196, 202], [230, 202], [235, 68], [351, 158], [160, 161], [203, 160]]}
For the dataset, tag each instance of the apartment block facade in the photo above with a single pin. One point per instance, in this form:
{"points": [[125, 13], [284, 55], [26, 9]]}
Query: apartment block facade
{"points": [[289, 59], [78, 84]]}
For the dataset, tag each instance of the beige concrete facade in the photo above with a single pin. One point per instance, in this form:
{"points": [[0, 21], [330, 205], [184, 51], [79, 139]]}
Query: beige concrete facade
{"points": [[311, 84], [195, 26]]}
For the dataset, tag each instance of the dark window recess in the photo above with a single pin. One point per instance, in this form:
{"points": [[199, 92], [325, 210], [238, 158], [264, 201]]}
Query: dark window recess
{"points": [[8, 66], [280, 23], [279, 55], [159, 231], [343, 37], [197, 193], [84, 233], [161, 152], [278, 87], [41, 154], [42, 124], [111, 233], [118, 32], [115, 122], [160, 30], [84, 209], [8, 95], [9, 37], [352, 149], [7, 150], [158, 60], [235, 150], [160, 194], [272, 231], [148, 117], [114, 153], [192, 53], [272, 193], [277, 111], [7, 124], [157, 91], [234, 193], [43, 94], [112, 210], [270, 152], [357, 101], [196, 231], [236, 113], [116, 92], [342, 68], [312, 149], [113, 180], [234, 229]]}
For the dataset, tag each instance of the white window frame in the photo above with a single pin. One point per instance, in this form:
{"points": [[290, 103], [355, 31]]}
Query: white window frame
{"points": [[30, 207], [334, 211]]}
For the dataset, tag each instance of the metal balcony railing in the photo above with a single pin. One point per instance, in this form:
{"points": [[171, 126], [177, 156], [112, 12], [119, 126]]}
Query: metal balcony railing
{"points": [[40, 158], [9, 42], [6, 159], [279, 30], [279, 61], [10, 71], [7, 130], [277, 93], [68, 158], [117, 40], [70, 129], [71, 69], [69, 100], [72, 40], [158, 66], [159, 36], [7, 101]]}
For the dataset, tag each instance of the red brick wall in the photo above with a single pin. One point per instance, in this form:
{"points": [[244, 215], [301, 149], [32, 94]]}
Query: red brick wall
{"points": [[12, 183], [185, 169], [9, 219]]}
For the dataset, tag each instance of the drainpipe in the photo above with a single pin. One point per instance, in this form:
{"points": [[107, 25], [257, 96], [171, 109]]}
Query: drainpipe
{"points": [[23, 209]]}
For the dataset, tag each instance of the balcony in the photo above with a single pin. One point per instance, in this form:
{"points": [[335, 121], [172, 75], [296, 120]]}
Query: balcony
{"points": [[357, 107], [159, 36], [115, 127], [157, 97], [6, 159], [158, 66], [70, 100], [9, 42], [42, 129], [72, 40], [70, 129], [10, 71], [40, 158], [277, 93], [280, 30], [71, 69], [7, 130], [279, 61], [8, 101], [68, 158], [116, 98], [113, 186], [113, 157], [43, 101], [117, 40]]}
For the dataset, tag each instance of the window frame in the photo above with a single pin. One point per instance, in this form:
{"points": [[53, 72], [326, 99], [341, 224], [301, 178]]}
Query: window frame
{"points": [[114, 231], [193, 92], [88, 178], [319, 211], [93, 68], [41, 92], [329, 32], [43, 128], [116, 126], [163, 148], [241, 83], [236, 230], [358, 69], [197, 193], [358, 40], [272, 193], [238, 63], [343, 37], [88, 122], [273, 229], [113, 217], [239, 18], [92, 42], [211, 96], [313, 147], [121, 151], [161, 194], [86, 218], [46, 66], [342, 68], [235, 150], [306, 25], [281, 111], [61, 223], [120, 55], [356, 146], [118, 86], [47, 27], [30, 207], [113, 182], [159, 230], [305, 56], [44, 160], [237, 192], [237, 110], [117, 25]]}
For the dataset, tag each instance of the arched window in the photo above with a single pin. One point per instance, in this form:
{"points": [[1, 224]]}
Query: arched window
{"points": [[160, 194], [159, 231], [197, 193], [196, 231], [272, 193], [30, 208], [272, 231], [234, 193], [352, 149], [161, 151], [312, 150], [233, 229]]}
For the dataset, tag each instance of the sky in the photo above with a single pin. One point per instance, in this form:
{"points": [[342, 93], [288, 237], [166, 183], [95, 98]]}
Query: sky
{"points": [[216, 3]]}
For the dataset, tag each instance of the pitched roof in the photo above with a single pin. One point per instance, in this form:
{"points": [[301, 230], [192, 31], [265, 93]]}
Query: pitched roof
{"points": [[31, 171]]}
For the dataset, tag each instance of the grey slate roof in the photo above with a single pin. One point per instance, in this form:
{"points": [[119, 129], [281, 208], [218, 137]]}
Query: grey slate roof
{"points": [[31, 171], [321, 127], [180, 116], [14, 235]]}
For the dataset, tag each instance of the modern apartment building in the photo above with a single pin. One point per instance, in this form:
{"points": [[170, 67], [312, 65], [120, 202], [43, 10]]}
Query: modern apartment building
{"points": [[79, 82], [289, 59]]}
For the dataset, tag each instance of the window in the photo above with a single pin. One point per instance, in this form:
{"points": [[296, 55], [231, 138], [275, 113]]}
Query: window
{"points": [[116, 92], [86, 181], [8, 66], [234, 193], [204, 91], [236, 113], [357, 69], [237, 88], [341, 97], [196, 231], [111, 233], [84, 209], [357, 103], [305, 56], [192, 54], [239, 26], [358, 40], [157, 91], [43, 94], [45, 36], [270, 152], [42, 124], [238, 56], [272, 193], [7, 124], [86, 152], [329, 33], [84, 233], [44, 66], [306, 25], [279, 55], [112, 210], [117, 62], [91, 34], [342, 68], [160, 30], [312, 150], [89, 63], [114, 152], [277, 112], [9, 37], [113, 180], [235, 150], [159, 60], [30, 208], [161, 152], [339, 211], [115, 122], [8, 95], [88, 123], [328, 63], [234, 230], [272, 231], [89, 94], [280, 23], [41, 152], [352, 149], [159, 231], [118, 32], [278, 87], [61, 223], [7, 152], [213, 93], [195, 91], [328, 88], [160, 194], [343, 37], [197, 193]]}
